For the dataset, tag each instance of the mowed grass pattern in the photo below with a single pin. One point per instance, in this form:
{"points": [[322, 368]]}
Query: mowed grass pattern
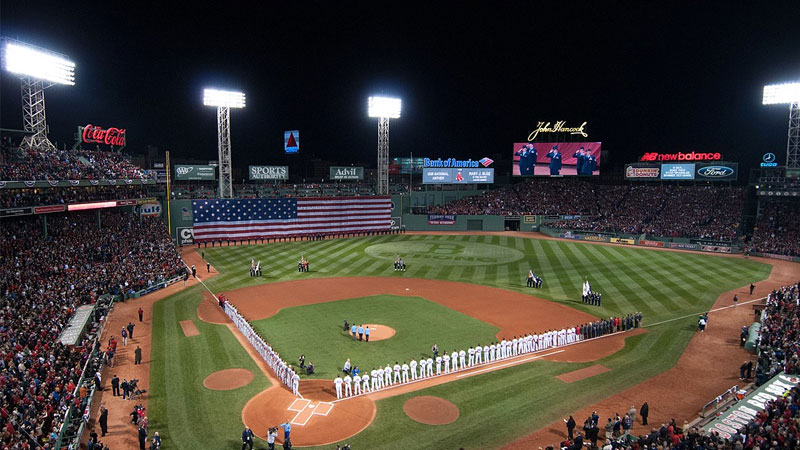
{"points": [[321, 338], [495, 407]]}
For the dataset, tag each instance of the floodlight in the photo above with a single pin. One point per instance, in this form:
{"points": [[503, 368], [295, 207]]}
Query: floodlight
{"points": [[26, 60], [384, 107], [775, 94], [228, 99]]}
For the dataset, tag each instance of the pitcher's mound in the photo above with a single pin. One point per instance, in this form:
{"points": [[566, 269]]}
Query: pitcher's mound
{"points": [[430, 410], [225, 380], [379, 332]]}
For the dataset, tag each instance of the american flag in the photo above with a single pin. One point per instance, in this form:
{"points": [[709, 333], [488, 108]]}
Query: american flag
{"points": [[272, 217]]}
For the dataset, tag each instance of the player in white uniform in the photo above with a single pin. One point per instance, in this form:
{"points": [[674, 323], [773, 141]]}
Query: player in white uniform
{"points": [[446, 359], [515, 347], [295, 384], [396, 372], [422, 363], [454, 360], [492, 349], [438, 364], [429, 367], [413, 367], [357, 384], [374, 380], [471, 354], [462, 359], [348, 386], [338, 383], [365, 383], [486, 350], [405, 372], [387, 376]]}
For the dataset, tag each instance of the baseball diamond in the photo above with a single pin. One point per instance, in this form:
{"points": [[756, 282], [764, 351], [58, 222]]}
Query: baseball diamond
{"points": [[455, 305]]}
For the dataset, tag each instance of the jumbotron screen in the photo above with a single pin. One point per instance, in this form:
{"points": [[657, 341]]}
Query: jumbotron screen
{"points": [[556, 158]]}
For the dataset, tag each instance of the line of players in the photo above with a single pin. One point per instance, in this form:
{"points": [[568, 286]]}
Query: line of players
{"points": [[381, 378]]}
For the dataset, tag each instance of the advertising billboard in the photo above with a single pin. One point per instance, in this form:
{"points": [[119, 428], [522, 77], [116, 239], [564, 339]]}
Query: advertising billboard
{"points": [[717, 172], [346, 173], [291, 141], [556, 158], [677, 171], [269, 172], [187, 172], [643, 172], [456, 176], [404, 166]]}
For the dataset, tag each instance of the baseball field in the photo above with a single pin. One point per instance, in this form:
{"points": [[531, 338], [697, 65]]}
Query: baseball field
{"points": [[458, 291]]}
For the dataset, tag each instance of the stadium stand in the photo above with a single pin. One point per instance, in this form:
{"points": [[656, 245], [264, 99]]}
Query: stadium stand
{"points": [[43, 279], [18, 198], [777, 230], [780, 334], [17, 164]]}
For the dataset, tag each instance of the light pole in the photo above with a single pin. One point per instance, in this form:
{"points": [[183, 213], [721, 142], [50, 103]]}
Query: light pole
{"points": [[384, 108], [224, 101], [37, 69], [781, 94]]}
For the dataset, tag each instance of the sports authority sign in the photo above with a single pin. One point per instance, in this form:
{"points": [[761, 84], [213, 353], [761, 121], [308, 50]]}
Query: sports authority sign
{"points": [[269, 172], [346, 173], [746, 409]]}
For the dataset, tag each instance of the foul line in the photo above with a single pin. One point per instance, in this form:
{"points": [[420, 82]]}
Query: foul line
{"points": [[710, 311]]}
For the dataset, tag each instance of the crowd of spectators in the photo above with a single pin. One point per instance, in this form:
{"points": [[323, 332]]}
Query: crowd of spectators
{"points": [[709, 212], [777, 230], [17, 164], [43, 279], [779, 343], [18, 198]]}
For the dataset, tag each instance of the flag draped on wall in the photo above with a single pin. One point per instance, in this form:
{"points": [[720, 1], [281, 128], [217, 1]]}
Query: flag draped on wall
{"points": [[273, 217]]}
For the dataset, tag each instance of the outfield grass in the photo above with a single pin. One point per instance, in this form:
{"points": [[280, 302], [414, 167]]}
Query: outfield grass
{"points": [[313, 330], [495, 407]]}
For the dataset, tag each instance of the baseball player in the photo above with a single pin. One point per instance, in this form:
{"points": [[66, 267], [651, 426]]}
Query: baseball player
{"points": [[348, 386], [429, 366], [462, 359], [438, 364], [492, 352], [374, 379], [387, 376], [405, 372], [396, 372], [338, 383], [471, 353], [446, 359], [515, 346], [295, 384], [478, 351], [422, 363], [454, 360], [357, 384], [486, 350], [413, 367], [365, 383]]}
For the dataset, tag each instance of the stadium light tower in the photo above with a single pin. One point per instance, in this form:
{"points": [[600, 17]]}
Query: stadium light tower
{"points": [[37, 69], [224, 101], [781, 94], [384, 108]]}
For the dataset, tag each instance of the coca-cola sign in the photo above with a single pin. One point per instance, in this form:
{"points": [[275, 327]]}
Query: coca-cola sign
{"points": [[93, 134]]}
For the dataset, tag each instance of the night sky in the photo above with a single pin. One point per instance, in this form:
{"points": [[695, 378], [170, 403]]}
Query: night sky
{"points": [[646, 76]]}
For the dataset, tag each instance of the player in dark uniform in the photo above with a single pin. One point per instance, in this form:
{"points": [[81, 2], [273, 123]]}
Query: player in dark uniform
{"points": [[555, 161], [527, 159], [580, 157]]}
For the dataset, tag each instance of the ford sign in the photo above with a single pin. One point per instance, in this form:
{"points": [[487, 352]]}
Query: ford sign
{"points": [[715, 171]]}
